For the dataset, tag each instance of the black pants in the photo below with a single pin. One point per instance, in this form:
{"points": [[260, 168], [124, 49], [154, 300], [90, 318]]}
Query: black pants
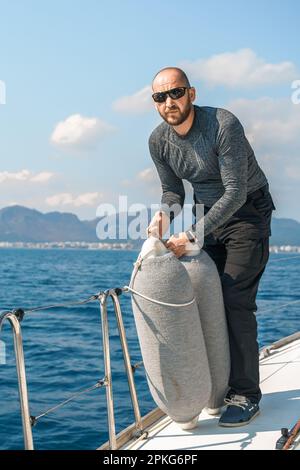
{"points": [[240, 249]]}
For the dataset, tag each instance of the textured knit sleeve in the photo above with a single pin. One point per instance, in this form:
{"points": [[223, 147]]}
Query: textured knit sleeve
{"points": [[172, 186], [232, 149]]}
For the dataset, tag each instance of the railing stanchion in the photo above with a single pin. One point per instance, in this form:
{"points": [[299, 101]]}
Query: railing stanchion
{"points": [[20, 364], [108, 378], [126, 356]]}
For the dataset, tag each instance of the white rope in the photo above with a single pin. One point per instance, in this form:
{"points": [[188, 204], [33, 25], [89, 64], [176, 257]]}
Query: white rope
{"points": [[127, 288]]}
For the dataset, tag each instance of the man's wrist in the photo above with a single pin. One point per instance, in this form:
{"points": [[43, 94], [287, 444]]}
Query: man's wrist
{"points": [[191, 236]]}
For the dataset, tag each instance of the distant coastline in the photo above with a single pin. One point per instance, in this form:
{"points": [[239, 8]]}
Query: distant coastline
{"points": [[22, 227], [111, 246], [68, 245]]}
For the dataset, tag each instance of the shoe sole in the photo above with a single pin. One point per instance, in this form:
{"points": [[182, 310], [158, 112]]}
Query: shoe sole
{"points": [[235, 425]]}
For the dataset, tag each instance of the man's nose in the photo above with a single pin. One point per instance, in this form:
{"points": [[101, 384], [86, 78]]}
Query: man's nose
{"points": [[169, 102]]}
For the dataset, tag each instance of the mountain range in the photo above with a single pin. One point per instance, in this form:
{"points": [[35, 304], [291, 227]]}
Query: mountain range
{"points": [[21, 224]]}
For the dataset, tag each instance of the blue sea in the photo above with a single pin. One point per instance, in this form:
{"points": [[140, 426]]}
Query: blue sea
{"points": [[63, 346]]}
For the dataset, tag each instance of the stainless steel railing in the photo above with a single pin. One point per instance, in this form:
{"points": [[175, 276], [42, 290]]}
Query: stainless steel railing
{"points": [[16, 316], [130, 371]]}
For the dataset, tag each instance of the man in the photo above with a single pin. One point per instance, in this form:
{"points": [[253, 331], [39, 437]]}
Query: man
{"points": [[207, 146]]}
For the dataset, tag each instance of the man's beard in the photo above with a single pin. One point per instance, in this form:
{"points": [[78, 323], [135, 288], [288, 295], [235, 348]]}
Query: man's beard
{"points": [[175, 119]]}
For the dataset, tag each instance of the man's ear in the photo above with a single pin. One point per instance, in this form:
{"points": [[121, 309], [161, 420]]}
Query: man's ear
{"points": [[192, 92]]}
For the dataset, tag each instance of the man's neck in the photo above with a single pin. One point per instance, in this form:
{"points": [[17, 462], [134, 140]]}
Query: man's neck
{"points": [[184, 128]]}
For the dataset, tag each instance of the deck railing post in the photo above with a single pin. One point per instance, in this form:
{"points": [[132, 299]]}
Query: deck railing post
{"points": [[108, 377], [127, 362], [12, 317]]}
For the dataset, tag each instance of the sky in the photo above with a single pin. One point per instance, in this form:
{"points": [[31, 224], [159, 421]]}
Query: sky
{"points": [[75, 96]]}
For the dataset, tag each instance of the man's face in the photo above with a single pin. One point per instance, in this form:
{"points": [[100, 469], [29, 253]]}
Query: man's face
{"points": [[174, 112]]}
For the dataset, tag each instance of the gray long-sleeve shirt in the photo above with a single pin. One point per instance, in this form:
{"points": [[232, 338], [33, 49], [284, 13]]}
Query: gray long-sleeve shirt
{"points": [[215, 157]]}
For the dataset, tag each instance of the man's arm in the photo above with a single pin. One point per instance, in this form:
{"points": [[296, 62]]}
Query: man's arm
{"points": [[233, 150], [172, 186]]}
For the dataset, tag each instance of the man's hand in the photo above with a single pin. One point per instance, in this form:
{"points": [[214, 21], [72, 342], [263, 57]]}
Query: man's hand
{"points": [[177, 244], [158, 225]]}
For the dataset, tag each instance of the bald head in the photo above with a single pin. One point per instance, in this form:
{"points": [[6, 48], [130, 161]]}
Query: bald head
{"points": [[175, 97], [169, 76]]}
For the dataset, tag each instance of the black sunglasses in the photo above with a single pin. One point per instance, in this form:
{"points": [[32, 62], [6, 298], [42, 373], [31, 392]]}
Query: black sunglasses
{"points": [[175, 94]]}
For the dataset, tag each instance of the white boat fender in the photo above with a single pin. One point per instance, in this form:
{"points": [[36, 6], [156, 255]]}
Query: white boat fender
{"points": [[207, 287], [170, 334]]}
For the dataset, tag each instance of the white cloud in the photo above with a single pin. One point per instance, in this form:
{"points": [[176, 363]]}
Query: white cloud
{"points": [[293, 172], [12, 203], [126, 183], [149, 181], [149, 175], [86, 199], [144, 183], [22, 175], [67, 199], [242, 69], [42, 177], [269, 122], [2, 92], [80, 131], [273, 129], [26, 175], [59, 199], [139, 102]]}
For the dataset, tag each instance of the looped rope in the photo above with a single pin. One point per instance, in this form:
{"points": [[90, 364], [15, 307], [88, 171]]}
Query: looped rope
{"points": [[129, 288], [158, 302]]}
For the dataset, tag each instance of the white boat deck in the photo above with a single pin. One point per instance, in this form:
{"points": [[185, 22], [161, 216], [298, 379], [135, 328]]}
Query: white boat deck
{"points": [[279, 408]]}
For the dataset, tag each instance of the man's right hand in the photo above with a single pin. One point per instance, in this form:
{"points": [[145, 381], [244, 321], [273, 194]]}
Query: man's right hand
{"points": [[158, 225]]}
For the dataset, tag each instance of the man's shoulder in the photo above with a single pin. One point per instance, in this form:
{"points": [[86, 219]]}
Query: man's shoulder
{"points": [[158, 133], [218, 115]]}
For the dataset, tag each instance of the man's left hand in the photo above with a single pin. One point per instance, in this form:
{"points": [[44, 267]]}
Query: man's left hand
{"points": [[177, 244]]}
